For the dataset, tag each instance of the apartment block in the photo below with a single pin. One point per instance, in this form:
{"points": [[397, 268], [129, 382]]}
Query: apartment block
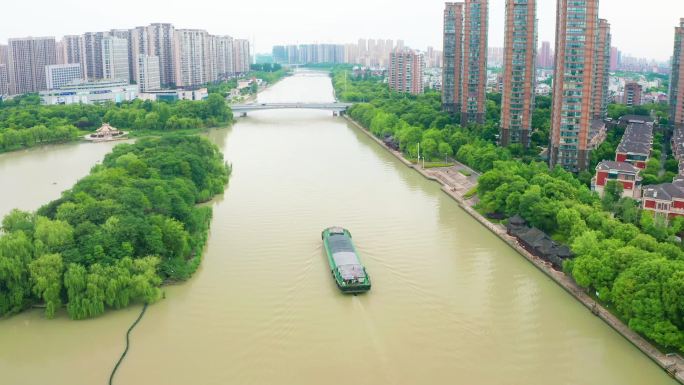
{"points": [[92, 50], [27, 58], [224, 56], [405, 71], [474, 79], [632, 94], [3, 54], [115, 65], [160, 41], [4, 86], [126, 34], [545, 58], [149, 78], [241, 56], [60, 75], [602, 77], [677, 78], [577, 26], [519, 72], [210, 58], [452, 61], [190, 57]]}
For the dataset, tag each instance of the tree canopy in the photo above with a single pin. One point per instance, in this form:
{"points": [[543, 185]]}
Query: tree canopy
{"points": [[26, 123], [113, 238]]}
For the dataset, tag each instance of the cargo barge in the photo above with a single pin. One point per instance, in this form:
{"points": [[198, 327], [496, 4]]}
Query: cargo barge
{"points": [[347, 270]]}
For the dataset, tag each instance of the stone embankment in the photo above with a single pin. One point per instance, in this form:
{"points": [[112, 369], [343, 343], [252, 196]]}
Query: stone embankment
{"points": [[456, 184]]}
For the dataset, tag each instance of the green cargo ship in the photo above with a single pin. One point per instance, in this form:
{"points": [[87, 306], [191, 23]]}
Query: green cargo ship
{"points": [[346, 268]]}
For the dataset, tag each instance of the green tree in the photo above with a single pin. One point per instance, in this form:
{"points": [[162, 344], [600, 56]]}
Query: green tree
{"points": [[46, 278]]}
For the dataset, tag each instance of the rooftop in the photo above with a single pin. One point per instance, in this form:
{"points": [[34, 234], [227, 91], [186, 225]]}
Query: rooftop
{"points": [[609, 165], [638, 139], [665, 191], [636, 119]]}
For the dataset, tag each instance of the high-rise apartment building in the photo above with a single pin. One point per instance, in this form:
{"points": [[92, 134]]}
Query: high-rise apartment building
{"points": [[614, 55], [59, 75], [576, 37], [3, 54], [633, 94], [241, 56], [602, 76], [224, 56], [127, 34], [677, 78], [292, 54], [452, 54], [27, 58], [161, 42], [519, 74], [405, 71], [139, 46], [73, 51], [363, 47], [59, 52], [210, 58], [115, 65], [190, 57], [149, 78], [4, 86], [474, 79], [92, 50], [545, 58]]}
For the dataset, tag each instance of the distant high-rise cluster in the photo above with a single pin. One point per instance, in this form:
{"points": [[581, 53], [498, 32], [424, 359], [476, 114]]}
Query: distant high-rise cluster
{"points": [[465, 59], [405, 71], [545, 57], [519, 73], [581, 64], [372, 53], [677, 78], [157, 53]]}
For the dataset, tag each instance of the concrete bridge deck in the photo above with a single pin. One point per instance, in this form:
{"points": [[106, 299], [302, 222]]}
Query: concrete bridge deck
{"points": [[335, 107]]}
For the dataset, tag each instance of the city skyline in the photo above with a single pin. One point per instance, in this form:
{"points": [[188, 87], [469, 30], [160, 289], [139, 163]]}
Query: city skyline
{"points": [[644, 31]]}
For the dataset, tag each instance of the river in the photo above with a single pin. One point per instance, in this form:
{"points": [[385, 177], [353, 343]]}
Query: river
{"points": [[450, 304]]}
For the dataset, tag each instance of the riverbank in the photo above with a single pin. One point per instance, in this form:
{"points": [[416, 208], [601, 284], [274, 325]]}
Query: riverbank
{"points": [[457, 185]]}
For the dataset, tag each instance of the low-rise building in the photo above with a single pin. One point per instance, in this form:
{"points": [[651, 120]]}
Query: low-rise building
{"points": [[621, 172], [542, 89], [665, 200], [175, 95], [635, 147], [597, 134], [678, 143], [97, 92]]}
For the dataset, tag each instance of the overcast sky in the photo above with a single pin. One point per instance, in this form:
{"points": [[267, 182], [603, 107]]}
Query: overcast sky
{"points": [[640, 28]]}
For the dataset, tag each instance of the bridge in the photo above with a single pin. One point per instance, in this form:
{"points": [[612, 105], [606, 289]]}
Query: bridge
{"points": [[336, 108]]}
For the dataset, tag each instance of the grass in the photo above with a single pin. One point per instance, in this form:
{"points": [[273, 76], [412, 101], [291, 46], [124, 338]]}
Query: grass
{"points": [[437, 164], [471, 193], [465, 172]]}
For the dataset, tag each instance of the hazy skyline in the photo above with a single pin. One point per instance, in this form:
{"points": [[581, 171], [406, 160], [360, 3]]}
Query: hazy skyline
{"points": [[643, 29]]}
